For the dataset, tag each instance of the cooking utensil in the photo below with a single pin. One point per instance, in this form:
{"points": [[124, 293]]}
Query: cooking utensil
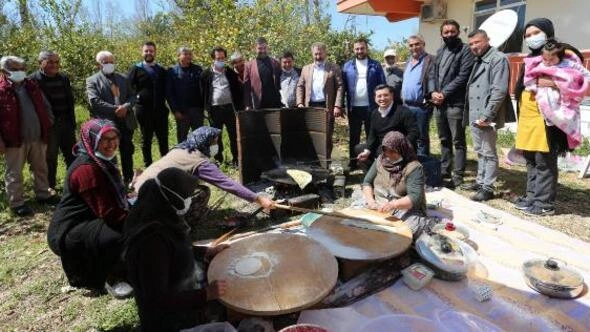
{"points": [[553, 278], [334, 214]]}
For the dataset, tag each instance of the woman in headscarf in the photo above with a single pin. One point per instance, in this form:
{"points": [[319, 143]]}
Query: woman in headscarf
{"points": [[540, 142], [192, 156], [159, 254], [86, 229], [395, 183]]}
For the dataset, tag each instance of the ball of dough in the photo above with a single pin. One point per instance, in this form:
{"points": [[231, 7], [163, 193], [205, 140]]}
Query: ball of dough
{"points": [[248, 266]]}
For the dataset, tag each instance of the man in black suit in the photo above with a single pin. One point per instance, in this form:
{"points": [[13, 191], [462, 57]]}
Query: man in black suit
{"points": [[148, 80], [446, 90]]}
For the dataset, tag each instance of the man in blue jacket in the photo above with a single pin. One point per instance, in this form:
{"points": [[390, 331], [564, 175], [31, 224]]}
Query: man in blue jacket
{"points": [[361, 76]]}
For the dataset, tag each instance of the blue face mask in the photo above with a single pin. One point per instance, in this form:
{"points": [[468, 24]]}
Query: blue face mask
{"points": [[103, 157], [219, 64]]}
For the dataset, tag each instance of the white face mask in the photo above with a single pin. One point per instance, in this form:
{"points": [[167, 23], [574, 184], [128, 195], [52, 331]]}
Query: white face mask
{"points": [[537, 41], [108, 68], [186, 202], [17, 76], [213, 150], [103, 157]]}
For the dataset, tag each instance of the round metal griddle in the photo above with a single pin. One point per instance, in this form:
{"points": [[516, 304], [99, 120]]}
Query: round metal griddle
{"points": [[296, 272], [279, 175], [355, 243]]}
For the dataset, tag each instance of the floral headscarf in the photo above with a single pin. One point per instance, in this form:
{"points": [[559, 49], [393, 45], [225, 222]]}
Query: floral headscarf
{"points": [[200, 139], [90, 134]]}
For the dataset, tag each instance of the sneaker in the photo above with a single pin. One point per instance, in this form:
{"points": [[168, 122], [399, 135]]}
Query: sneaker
{"points": [[534, 210], [51, 200], [473, 186], [22, 211], [483, 195], [522, 204], [119, 290]]}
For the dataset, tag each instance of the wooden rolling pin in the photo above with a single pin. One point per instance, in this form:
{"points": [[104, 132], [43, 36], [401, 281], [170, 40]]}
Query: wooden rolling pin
{"points": [[336, 214]]}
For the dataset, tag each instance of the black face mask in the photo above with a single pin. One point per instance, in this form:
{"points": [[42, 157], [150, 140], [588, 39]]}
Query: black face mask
{"points": [[452, 41]]}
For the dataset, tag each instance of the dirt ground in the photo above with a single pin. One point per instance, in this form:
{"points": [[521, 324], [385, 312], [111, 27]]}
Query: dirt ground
{"points": [[34, 296]]}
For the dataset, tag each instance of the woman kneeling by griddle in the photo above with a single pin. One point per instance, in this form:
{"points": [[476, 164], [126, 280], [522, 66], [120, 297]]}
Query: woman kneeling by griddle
{"points": [[395, 183], [160, 257]]}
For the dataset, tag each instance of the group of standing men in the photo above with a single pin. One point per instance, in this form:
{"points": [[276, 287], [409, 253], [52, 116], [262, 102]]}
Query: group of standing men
{"points": [[37, 112]]}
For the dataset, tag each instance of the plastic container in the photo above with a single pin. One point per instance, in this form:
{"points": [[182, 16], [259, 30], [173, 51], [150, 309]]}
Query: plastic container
{"points": [[452, 230], [304, 328], [416, 276], [400, 323], [459, 321]]}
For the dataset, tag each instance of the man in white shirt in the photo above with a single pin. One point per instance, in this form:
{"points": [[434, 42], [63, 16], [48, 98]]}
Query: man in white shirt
{"points": [[289, 78], [320, 85], [361, 76]]}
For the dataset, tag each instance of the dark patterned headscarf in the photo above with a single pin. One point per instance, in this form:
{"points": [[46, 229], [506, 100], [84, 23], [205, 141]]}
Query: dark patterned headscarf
{"points": [[396, 141], [200, 139], [90, 135]]}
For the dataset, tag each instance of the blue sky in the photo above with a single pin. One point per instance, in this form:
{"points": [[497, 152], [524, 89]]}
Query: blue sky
{"points": [[383, 30]]}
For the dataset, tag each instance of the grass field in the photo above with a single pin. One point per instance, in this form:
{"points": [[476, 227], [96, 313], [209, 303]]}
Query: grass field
{"points": [[31, 279]]}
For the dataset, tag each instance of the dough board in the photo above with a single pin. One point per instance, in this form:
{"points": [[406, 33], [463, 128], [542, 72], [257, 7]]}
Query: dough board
{"points": [[295, 273], [356, 243]]}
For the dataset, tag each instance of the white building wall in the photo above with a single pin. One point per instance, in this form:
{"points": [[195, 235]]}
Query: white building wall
{"points": [[570, 18]]}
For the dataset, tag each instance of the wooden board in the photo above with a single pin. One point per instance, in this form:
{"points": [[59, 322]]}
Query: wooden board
{"points": [[296, 273], [355, 243]]}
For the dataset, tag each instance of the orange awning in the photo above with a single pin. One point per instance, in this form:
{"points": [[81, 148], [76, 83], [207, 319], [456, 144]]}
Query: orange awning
{"points": [[393, 10]]}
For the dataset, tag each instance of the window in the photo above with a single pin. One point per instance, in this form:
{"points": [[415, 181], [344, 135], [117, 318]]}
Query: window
{"points": [[486, 8]]}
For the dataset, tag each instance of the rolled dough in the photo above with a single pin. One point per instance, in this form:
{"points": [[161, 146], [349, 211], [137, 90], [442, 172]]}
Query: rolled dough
{"points": [[368, 225], [248, 266]]}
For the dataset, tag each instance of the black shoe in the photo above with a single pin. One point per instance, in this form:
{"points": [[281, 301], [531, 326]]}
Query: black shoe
{"points": [[457, 181], [51, 200], [534, 210], [22, 211], [473, 186], [522, 204], [483, 195]]}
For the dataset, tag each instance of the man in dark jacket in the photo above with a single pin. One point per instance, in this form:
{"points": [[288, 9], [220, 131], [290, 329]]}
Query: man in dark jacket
{"points": [[387, 116], [56, 87], [222, 95], [183, 92], [262, 79], [148, 80], [446, 90], [414, 89], [361, 76]]}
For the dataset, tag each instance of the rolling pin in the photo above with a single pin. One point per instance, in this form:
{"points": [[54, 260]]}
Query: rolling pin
{"points": [[336, 214]]}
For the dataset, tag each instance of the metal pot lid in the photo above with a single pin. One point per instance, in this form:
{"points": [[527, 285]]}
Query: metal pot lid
{"points": [[552, 271], [443, 252]]}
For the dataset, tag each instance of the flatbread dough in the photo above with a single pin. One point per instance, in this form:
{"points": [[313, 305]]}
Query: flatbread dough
{"points": [[302, 178], [248, 266], [368, 225]]}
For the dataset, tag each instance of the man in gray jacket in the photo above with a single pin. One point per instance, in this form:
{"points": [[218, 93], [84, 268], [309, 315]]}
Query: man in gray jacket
{"points": [[110, 97], [486, 107]]}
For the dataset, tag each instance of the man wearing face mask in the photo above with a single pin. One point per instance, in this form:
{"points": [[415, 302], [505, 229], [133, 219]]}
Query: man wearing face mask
{"points": [[320, 85], [26, 118], [148, 80], [110, 97], [289, 78], [446, 91], [394, 76], [262, 79], [56, 87], [183, 92], [222, 95]]}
